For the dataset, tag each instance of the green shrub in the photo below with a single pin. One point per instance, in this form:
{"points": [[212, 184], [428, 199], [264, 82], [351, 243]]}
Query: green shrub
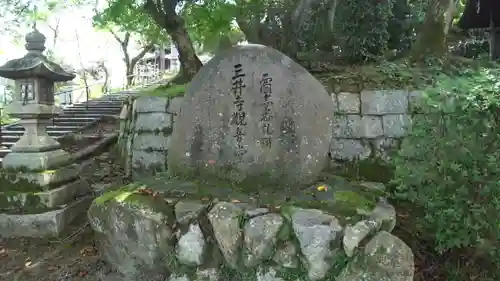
{"points": [[361, 28], [449, 165]]}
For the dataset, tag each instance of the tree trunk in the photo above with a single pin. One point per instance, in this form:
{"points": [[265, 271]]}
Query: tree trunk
{"points": [[105, 86], [129, 72], [131, 63], [431, 40], [168, 19], [189, 61]]}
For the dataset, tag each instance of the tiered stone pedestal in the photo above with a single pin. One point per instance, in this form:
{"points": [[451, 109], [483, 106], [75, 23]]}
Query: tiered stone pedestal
{"points": [[41, 203]]}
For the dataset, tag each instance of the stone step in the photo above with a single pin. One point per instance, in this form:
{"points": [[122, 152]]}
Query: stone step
{"points": [[66, 123], [19, 128], [81, 114], [54, 131], [3, 152], [93, 107], [90, 111], [15, 137], [104, 101], [74, 117], [101, 103]]}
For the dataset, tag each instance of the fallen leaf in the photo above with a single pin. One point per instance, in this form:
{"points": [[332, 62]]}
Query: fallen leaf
{"points": [[88, 251], [322, 188]]}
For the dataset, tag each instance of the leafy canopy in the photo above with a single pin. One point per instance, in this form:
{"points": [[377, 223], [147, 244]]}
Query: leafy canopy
{"points": [[211, 20], [129, 16]]}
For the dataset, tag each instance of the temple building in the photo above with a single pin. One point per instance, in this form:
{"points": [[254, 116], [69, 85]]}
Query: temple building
{"points": [[153, 64]]}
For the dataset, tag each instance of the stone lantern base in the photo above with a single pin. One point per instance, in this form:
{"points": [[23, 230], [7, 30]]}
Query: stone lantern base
{"points": [[35, 161], [41, 203], [40, 188]]}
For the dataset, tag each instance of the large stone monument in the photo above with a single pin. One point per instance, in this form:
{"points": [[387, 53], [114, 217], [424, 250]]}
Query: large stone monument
{"points": [[38, 184], [253, 113]]}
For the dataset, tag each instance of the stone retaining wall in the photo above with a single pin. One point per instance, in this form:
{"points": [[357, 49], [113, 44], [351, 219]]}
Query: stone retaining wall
{"points": [[150, 237], [367, 125], [370, 123], [145, 128]]}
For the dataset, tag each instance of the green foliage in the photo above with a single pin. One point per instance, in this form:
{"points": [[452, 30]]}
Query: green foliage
{"points": [[170, 91], [16, 15], [129, 16], [209, 21], [361, 27], [449, 163], [399, 26]]}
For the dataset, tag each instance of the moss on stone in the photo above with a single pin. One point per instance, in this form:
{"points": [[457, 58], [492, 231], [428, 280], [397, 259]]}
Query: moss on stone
{"points": [[14, 181], [15, 201], [170, 91], [131, 195], [396, 74], [343, 198], [118, 193], [370, 169]]}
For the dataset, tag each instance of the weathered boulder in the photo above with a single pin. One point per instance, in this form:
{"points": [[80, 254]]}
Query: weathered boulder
{"points": [[135, 233], [253, 112], [384, 258], [319, 235], [260, 235], [225, 219]]}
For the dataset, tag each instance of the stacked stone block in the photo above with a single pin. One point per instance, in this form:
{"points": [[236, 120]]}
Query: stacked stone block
{"points": [[370, 123], [145, 129]]}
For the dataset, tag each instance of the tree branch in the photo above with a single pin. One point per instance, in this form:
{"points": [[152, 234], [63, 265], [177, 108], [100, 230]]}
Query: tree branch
{"points": [[117, 38], [127, 38], [146, 49]]}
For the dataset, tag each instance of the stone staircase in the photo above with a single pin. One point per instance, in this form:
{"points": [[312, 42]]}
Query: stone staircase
{"points": [[73, 118]]}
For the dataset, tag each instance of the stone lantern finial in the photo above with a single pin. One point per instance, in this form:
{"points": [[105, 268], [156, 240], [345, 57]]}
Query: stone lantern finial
{"points": [[35, 41]]}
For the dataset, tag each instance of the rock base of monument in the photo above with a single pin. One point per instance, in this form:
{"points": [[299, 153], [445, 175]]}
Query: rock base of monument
{"points": [[41, 203], [162, 232]]}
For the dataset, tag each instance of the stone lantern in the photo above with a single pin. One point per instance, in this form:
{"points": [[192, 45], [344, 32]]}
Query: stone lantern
{"points": [[33, 104]]}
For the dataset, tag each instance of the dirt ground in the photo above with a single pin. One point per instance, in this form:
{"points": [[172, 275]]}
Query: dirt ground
{"points": [[73, 256]]}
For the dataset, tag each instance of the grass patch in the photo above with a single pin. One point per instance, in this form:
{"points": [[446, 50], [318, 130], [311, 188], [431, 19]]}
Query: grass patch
{"points": [[397, 74], [168, 91]]}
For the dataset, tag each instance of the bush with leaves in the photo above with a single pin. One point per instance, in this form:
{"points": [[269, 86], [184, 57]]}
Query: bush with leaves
{"points": [[361, 28], [449, 164]]}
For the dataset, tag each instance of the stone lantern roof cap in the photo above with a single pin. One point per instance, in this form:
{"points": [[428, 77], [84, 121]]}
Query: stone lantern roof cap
{"points": [[34, 63]]}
